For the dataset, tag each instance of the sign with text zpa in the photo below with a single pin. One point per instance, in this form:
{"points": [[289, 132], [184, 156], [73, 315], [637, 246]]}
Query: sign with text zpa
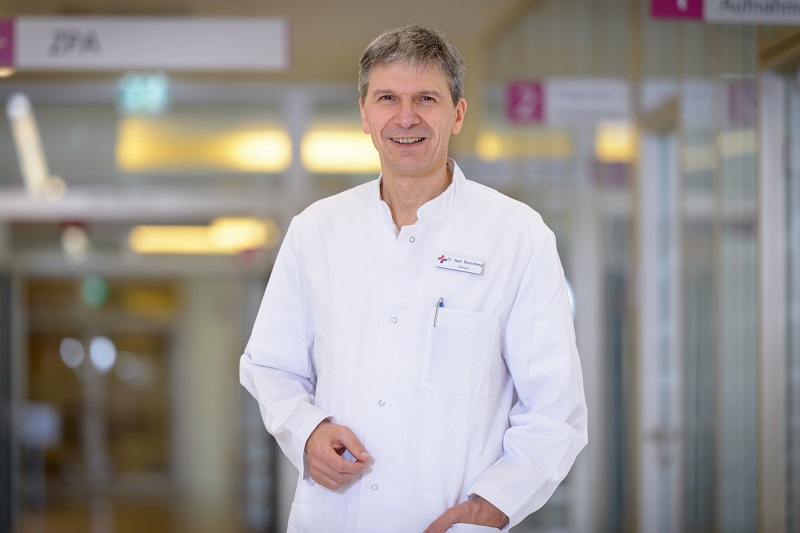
{"points": [[172, 43]]}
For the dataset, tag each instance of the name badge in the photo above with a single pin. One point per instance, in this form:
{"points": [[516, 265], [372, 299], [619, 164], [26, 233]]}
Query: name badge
{"points": [[461, 264]]}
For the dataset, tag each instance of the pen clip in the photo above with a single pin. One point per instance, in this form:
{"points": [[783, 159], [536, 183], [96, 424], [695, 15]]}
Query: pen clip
{"points": [[439, 304]]}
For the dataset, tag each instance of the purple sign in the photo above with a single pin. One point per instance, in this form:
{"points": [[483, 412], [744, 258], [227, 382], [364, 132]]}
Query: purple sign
{"points": [[677, 9], [742, 103], [525, 102], [6, 42]]}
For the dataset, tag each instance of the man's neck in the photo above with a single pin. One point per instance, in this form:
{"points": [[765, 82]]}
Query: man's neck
{"points": [[406, 194]]}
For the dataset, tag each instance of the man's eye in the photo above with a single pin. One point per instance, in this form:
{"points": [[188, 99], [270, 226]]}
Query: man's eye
{"points": [[427, 99], [385, 97]]}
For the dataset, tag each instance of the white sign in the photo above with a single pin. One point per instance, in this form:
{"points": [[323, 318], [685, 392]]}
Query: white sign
{"points": [[785, 12], [122, 43], [586, 101], [655, 92], [697, 104]]}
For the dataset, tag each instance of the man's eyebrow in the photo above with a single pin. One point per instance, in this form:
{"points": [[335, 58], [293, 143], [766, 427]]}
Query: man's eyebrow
{"points": [[431, 92]]}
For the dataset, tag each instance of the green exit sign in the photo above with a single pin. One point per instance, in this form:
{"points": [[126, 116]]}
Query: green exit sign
{"points": [[143, 93]]}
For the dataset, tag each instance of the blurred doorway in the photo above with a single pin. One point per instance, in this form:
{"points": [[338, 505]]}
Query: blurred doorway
{"points": [[95, 414]]}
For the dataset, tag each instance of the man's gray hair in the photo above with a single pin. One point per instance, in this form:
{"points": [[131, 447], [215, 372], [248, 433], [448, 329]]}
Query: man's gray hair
{"points": [[418, 46]]}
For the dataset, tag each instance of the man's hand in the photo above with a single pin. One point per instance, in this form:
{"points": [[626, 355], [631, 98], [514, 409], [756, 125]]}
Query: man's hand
{"points": [[325, 447], [477, 511]]}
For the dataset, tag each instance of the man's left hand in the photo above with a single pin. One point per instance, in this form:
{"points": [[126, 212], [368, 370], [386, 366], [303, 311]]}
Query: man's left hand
{"points": [[477, 511]]}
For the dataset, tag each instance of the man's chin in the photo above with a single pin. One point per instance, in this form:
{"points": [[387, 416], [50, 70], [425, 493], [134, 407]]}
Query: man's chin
{"points": [[407, 167]]}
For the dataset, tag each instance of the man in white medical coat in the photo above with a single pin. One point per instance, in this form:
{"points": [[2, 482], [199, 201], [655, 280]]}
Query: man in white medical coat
{"points": [[414, 354]]}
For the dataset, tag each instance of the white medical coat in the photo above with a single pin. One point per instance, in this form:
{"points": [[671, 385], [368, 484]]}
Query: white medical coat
{"points": [[489, 402]]}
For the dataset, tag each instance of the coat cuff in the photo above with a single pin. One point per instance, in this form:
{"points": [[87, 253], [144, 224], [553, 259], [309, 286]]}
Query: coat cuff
{"points": [[499, 499], [301, 424]]}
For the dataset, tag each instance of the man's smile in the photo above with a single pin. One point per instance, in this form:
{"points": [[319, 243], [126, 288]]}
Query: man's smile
{"points": [[407, 140]]}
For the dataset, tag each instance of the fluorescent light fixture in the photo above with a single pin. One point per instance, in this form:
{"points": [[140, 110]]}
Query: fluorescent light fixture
{"points": [[72, 352], [160, 144], [698, 157], [737, 143], [535, 143], [257, 151], [102, 353], [224, 236], [30, 154], [54, 188], [6, 72], [615, 142], [490, 146], [75, 243], [339, 151]]}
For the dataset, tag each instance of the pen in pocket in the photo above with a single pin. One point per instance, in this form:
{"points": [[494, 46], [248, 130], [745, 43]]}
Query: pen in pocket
{"points": [[439, 304]]}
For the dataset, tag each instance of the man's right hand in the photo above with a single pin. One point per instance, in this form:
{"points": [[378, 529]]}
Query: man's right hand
{"points": [[325, 447]]}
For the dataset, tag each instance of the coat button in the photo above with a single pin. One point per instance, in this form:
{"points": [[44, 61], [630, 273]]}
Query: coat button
{"points": [[394, 320], [411, 239], [381, 403], [374, 486]]}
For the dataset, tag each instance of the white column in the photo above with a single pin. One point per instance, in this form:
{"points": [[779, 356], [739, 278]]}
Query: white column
{"points": [[590, 504], [659, 370], [205, 404], [772, 304]]}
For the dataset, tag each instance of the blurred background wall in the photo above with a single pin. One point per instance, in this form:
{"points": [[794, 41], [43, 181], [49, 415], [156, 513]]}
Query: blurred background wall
{"points": [[661, 148]]}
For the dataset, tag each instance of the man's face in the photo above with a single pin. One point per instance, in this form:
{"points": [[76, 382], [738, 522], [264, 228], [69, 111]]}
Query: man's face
{"points": [[410, 115]]}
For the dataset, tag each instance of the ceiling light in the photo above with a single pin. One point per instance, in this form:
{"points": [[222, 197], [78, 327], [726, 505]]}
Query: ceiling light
{"points": [[339, 151], [163, 144], [28, 144], [527, 143], [489, 146], [615, 142], [72, 352], [737, 143], [75, 243], [224, 236], [102, 353], [698, 157]]}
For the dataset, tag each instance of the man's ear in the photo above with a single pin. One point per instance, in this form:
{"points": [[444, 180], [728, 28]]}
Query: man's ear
{"points": [[461, 110], [364, 123]]}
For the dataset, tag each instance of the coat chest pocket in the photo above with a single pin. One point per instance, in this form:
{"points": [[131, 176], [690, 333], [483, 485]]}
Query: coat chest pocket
{"points": [[458, 352]]}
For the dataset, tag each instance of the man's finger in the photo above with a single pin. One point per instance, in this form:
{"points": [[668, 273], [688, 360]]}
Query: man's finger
{"points": [[343, 466], [325, 481], [478, 511], [354, 445], [336, 467], [443, 523]]}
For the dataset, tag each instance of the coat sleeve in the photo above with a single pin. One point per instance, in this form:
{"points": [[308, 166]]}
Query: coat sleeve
{"points": [[277, 366], [548, 423]]}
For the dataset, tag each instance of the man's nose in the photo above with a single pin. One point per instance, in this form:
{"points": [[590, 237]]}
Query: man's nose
{"points": [[407, 114]]}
